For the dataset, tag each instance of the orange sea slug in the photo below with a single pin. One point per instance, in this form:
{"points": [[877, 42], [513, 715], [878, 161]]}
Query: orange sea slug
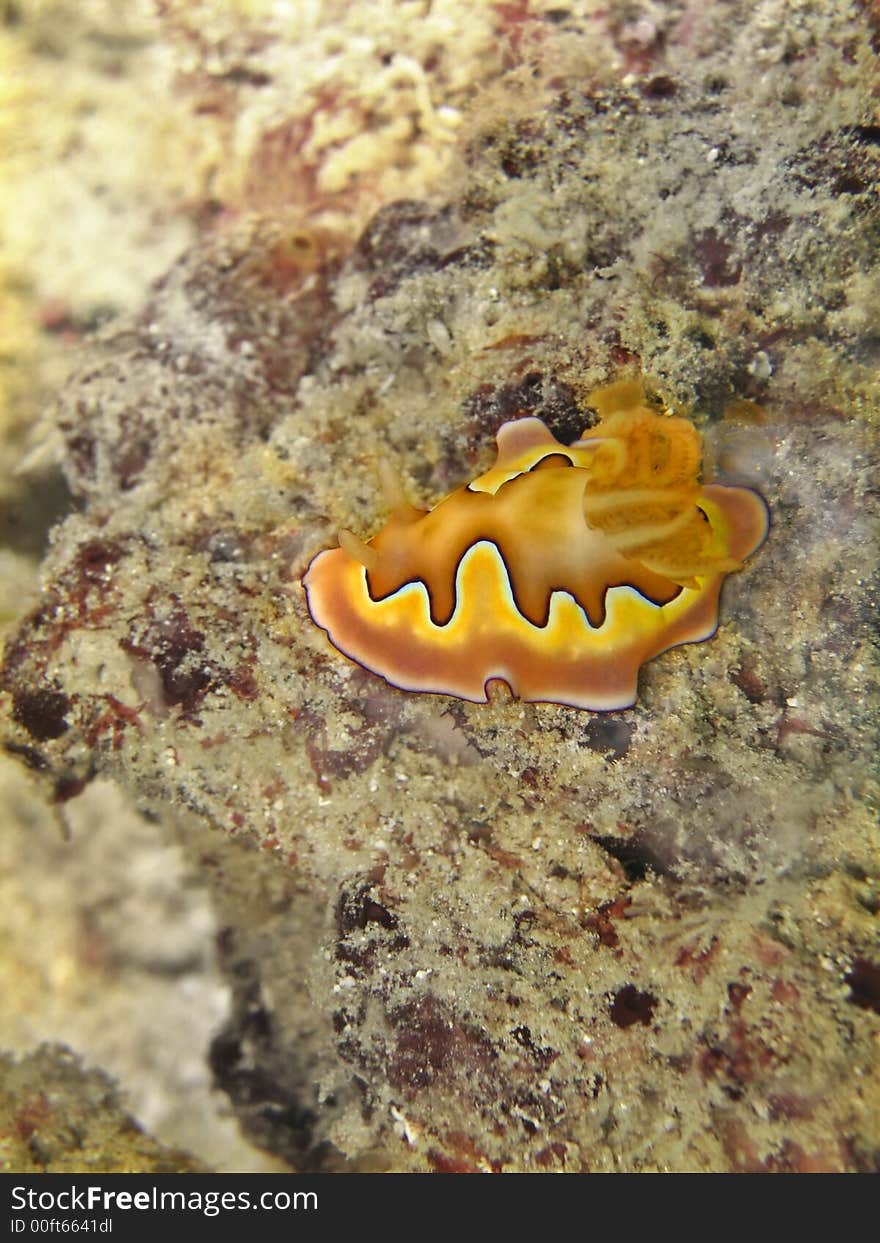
{"points": [[560, 571]]}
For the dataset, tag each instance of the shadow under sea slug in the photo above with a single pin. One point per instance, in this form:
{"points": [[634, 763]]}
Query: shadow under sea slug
{"points": [[560, 571]]}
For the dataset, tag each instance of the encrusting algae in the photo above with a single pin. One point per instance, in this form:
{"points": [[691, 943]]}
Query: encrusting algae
{"points": [[559, 571]]}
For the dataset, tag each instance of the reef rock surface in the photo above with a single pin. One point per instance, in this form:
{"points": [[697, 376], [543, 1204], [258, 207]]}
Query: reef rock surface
{"points": [[510, 937]]}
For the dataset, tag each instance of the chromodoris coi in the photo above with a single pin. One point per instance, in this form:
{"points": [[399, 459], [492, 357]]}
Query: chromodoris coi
{"points": [[559, 571]]}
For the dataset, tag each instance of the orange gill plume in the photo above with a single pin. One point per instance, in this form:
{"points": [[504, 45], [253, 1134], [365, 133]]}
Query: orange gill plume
{"points": [[643, 489], [560, 570]]}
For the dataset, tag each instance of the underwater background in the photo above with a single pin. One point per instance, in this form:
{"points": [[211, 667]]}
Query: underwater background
{"points": [[253, 899]]}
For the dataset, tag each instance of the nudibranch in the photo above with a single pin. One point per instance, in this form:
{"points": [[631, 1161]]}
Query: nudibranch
{"points": [[560, 571]]}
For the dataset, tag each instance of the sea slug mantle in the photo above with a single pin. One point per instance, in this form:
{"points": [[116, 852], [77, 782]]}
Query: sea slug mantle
{"points": [[559, 571]]}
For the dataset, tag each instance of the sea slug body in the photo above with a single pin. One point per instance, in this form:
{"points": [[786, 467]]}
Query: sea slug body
{"points": [[559, 571]]}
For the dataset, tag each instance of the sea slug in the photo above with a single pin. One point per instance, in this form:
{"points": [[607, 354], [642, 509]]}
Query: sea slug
{"points": [[559, 571]]}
